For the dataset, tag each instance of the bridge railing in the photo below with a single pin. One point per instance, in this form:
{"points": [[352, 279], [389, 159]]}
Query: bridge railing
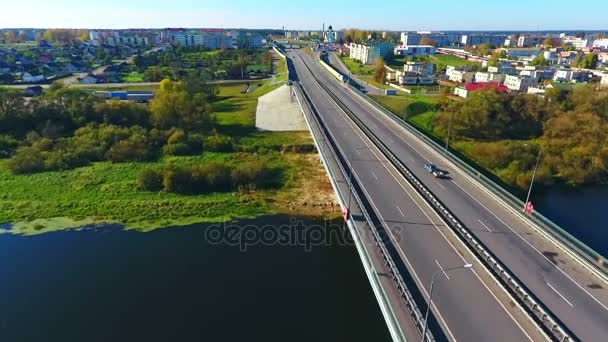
{"points": [[339, 156], [589, 258], [545, 319]]}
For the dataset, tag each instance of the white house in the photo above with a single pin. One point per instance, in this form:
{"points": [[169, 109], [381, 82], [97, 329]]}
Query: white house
{"points": [[489, 77], [367, 54], [408, 78], [601, 43], [460, 75], [604, 81], [419, 68], [519, 83], [29, 78]]}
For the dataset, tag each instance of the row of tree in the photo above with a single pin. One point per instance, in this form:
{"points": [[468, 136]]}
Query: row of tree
{"points": [[569, 127]]}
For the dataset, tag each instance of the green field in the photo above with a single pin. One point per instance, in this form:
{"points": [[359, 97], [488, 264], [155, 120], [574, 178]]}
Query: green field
{"points": [[132, 77], [107, 192], [417, 109], [356, 67]]}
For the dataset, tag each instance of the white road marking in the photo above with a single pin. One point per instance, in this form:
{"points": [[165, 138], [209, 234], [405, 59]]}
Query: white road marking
{"points": [[412, 159], [400, 211], [535, 249], [559, 294], [441, 268], [402, 253], [373, 174], [485, 226], [441, 186], [358, 151], [390, 126]]}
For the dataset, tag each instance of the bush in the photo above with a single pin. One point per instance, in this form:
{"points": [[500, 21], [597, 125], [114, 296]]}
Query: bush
{"points": [[26, 160], [132, 149], [178, 149], [150, 180], [219, 143], [177, 180], [8, 145], [252, 174]]}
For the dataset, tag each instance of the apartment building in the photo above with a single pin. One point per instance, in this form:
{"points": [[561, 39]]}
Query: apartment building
{"points": [[484, 77], [414, 50], [519, 83], [419, 68], [367, 53]]}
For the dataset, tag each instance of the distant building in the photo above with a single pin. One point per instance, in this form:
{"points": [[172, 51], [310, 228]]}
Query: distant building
{"points": [[420, 68], [519, 83], [29, 78], [367, 53], [569, 75], [601, 44], [604, 80], [414, 50], [485, 77], [33, 91], [468, 88], [88, 79], [526, 41], [578, 43], [460, 74]]}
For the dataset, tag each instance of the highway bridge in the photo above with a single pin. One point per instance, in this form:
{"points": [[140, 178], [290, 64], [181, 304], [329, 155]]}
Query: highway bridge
{"points": [[524, 284]]}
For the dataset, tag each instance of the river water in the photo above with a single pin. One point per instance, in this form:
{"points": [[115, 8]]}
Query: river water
{"points": [[178, 284], [579, 211]]}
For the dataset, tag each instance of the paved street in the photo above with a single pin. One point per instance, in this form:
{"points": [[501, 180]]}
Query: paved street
{"points": [[572, 293]]}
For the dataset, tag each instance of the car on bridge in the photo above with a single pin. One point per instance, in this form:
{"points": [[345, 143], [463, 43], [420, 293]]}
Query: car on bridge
{"points": [[437, 172]]}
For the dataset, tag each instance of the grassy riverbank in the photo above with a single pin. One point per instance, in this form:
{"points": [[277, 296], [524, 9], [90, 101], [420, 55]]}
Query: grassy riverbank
{"points": [[108, 192]]}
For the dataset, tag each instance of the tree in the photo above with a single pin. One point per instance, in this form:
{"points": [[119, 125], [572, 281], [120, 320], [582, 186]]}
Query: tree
{"points": [[551, 42], [380, 70], [589, 61], [428, 41], [11, 37], [174, 106], [540, 60]]}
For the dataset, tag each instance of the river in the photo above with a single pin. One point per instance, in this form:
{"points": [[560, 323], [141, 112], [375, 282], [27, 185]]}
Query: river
{"points": [[579, 211], [178, 284]]}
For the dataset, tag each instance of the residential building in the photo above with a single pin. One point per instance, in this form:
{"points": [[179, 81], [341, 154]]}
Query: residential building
{"points": [[578, 43], [485, 77], [426, 79], [523, 53], [88, 79], [466, 89], [291, 34], [569, 75], [480, 38], [601, 44], [519, 83], [530, 40], [460, 74], [414, 50], [29, 78], [604, 80], [408, 78], [420, 68], [367, 53]]}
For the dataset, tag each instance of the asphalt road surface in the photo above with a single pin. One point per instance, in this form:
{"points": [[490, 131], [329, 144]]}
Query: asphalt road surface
{"points": [[576, 297], [466, 309]]}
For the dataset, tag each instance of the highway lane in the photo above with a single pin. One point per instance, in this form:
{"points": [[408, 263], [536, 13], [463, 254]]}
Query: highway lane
{"points": [[465, 307], [561, 284]]}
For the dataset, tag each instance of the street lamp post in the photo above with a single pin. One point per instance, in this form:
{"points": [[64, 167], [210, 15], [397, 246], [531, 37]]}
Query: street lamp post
{"points": [[428, 309], [447, 139], [532, 181]]}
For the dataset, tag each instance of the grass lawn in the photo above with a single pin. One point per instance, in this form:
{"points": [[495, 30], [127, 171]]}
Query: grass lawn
{"points": [[423, 108], [106, 192], [132, 77], [370, 79], [356, 67]]}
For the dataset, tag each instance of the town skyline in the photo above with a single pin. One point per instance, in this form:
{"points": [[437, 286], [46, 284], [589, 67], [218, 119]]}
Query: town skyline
{"points": [[469, 15]]}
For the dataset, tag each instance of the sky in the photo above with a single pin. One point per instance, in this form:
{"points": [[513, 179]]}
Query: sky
{"points": [[308, 14]]}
